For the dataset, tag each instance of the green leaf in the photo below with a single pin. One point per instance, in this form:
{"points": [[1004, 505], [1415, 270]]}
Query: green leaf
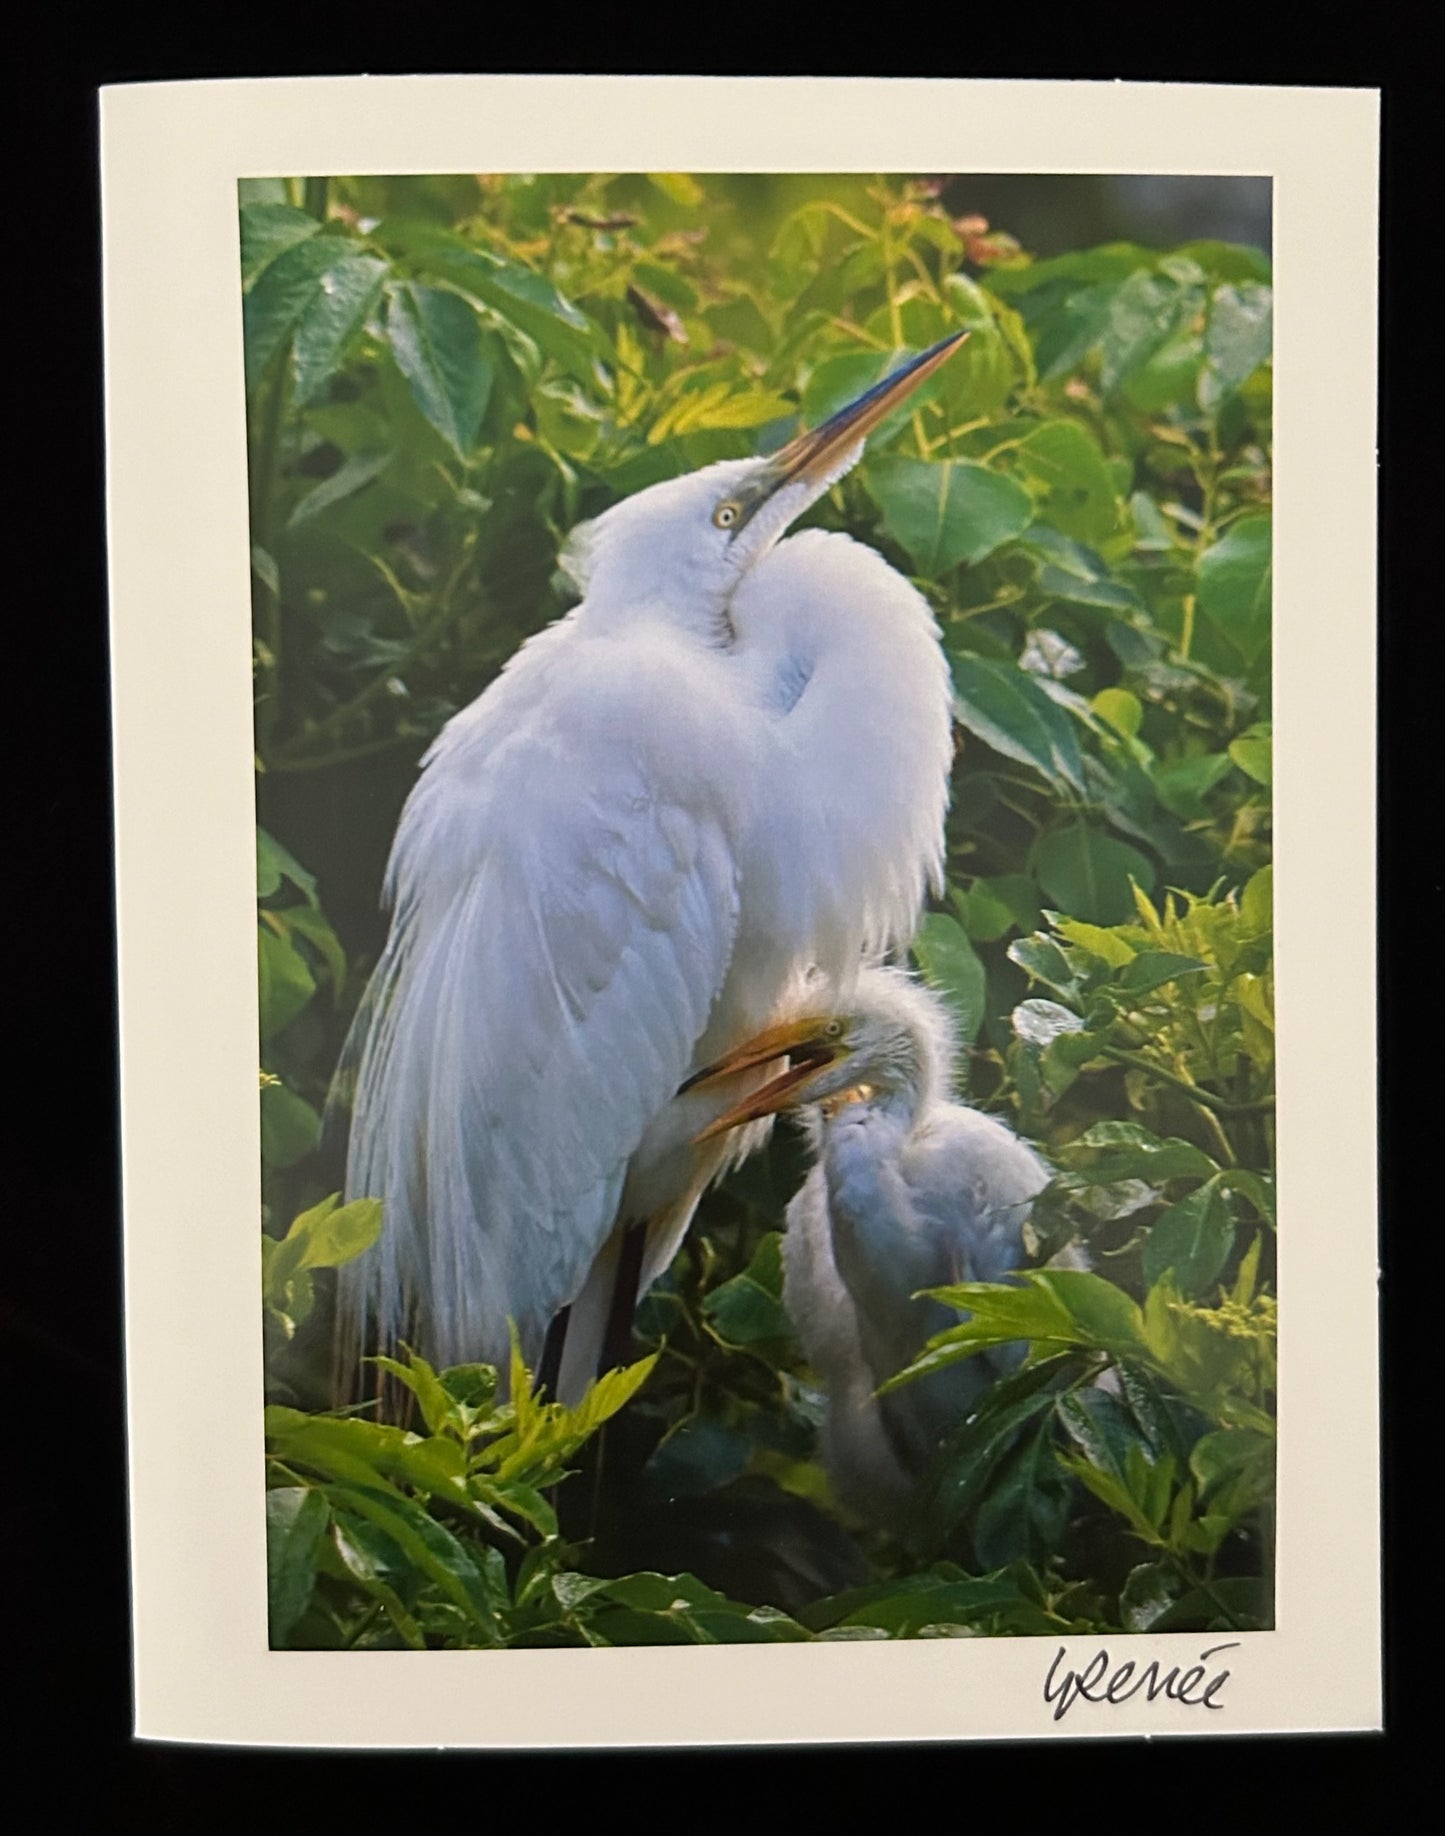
{"points": [[1110, 945], [1147, 1594], [1170, 376], [1238, 340], [352, 475], [1183, 784], [375, 1562], [311, 923], [1074, 573], [433, 1399], [946, 511], [1142, 314], [1234, 584], [1089, 874], [290, 1127], [1026, 1509], [439, 348], [942, 951], [1121, 709], [748, 1310], [1039, 1023], [355, 1451], [1110, 1151], [268, 230], [287, 287], [519, 295], [286, 983], [326, 1236], [346, 294], [607, 1395], [1152, 969], [1228, 261], [432, 1548], [1253, 753], [1192, 1240], [903, 1607], [296, 1519], [264, 569], [1100, 1428], [993, 907], [1256, 902], [1102, 1314], [1228, 1453], [681, 187], [1068, 475], [275, 863], [1244, 1597], [1045, 962], [963, 1475], [1008, 710]]}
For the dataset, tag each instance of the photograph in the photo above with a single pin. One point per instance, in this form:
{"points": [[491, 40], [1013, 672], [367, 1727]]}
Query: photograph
{"points": [[763, 773]]}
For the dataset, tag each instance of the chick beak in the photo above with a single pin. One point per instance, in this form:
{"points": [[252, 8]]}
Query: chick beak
{"points": [[805, 1044]]}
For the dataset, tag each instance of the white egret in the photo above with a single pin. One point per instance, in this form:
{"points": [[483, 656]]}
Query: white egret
{"points": [[908, 1190], [727, 766]]}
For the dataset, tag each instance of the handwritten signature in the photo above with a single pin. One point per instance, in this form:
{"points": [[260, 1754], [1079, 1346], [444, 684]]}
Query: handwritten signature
{"points": [[1123, 1684]]}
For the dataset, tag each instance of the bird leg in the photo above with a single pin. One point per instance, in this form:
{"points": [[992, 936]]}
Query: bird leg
{"points": [[617, 1341], [551, 1365]]}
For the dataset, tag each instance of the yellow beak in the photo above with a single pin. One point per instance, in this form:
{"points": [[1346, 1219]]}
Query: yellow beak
{"points": [[807, 1044], [811, 454]]}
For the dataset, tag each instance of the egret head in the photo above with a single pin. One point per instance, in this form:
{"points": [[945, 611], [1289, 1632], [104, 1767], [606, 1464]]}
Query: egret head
{"points": [[689, 540], [895, 1039]]}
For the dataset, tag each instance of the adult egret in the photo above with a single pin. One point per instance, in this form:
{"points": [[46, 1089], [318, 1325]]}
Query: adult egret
{"points": [[908, 1190], [727, 766]]}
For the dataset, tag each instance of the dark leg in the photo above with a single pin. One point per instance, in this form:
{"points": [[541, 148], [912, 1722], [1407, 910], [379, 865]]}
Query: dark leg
{"points": [[617, 1341], [551, 1365]]}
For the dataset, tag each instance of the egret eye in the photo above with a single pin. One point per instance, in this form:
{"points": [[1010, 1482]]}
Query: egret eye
{"points": [[726, 514], [834, 1029]]}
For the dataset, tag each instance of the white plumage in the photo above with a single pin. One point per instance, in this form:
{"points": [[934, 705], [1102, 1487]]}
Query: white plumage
{"points": [[725, 768], [908, 1190]]}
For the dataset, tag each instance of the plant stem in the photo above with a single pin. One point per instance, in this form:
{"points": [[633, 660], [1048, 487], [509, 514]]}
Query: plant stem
{"points": [[1204, 1097]]}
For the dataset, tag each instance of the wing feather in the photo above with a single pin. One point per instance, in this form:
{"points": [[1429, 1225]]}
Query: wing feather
{"points": [[564, 916]]}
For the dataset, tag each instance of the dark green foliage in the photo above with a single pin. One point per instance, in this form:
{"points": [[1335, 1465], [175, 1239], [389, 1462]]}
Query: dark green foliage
{"points": [[443, 377]]}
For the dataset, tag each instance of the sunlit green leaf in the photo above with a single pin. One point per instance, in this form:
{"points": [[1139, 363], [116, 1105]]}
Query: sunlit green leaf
{"points": [[945, 511]]}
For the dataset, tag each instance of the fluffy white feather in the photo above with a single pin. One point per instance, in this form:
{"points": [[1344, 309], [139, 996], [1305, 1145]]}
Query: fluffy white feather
{"points": [[727, 767], [909, 1190]]}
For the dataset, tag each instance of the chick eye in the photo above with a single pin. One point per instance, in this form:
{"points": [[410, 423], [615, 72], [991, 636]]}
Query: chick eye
{"points": [[725, 515], [834, 1029]]}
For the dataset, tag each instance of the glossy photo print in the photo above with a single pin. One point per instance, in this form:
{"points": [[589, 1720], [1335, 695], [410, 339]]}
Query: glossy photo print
{"points": [[763, 785]]}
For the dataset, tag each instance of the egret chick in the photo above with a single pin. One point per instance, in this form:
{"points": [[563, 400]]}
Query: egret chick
{"points": [[909, 1190]]}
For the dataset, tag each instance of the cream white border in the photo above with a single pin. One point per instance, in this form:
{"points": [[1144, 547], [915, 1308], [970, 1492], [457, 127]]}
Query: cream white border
{"points": [[180, 632]]}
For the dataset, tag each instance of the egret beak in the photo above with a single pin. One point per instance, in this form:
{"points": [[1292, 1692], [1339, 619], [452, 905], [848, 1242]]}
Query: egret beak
{"points": [[810, 455], [805, 1043]]}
